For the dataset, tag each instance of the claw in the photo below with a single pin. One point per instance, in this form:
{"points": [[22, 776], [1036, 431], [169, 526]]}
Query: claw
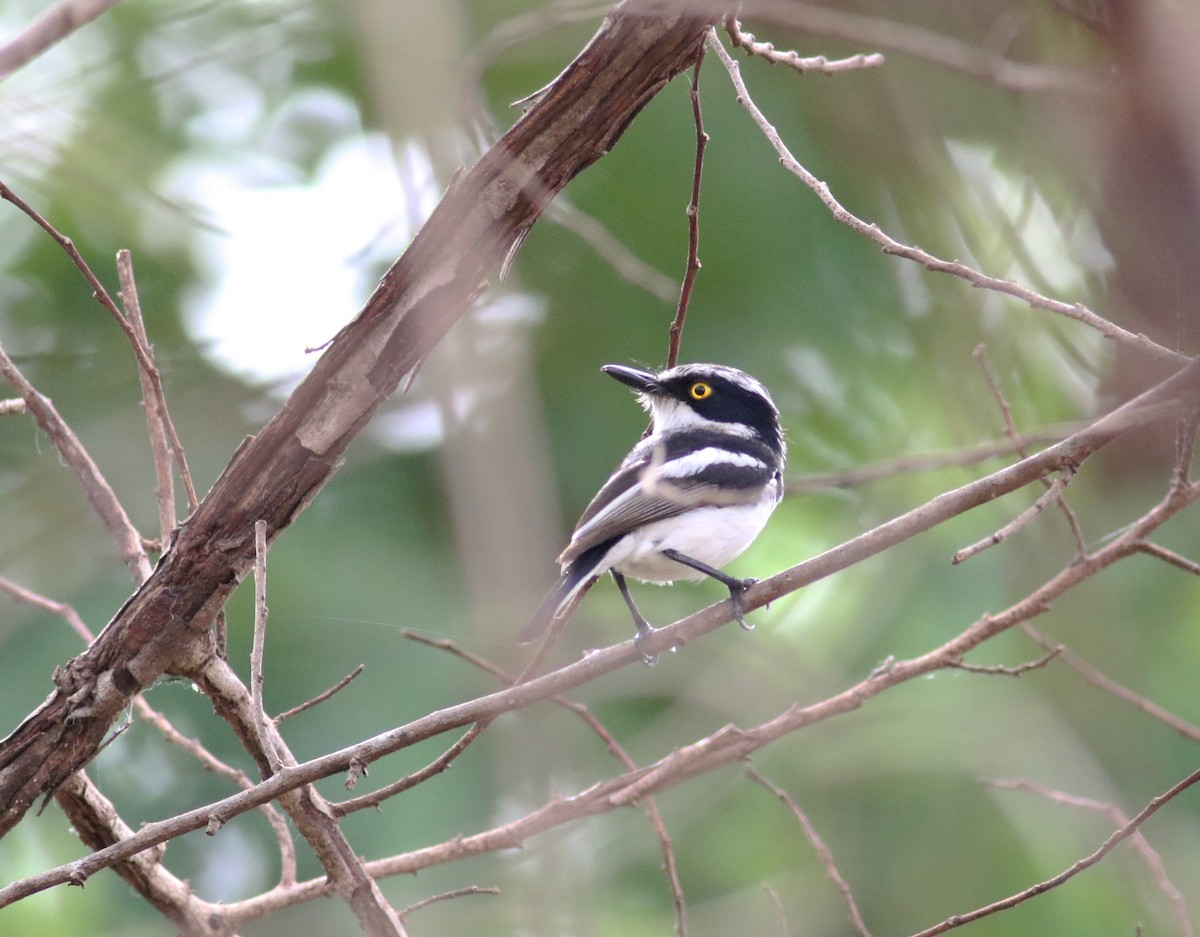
{"points": [[736, 588], [644, 630]]}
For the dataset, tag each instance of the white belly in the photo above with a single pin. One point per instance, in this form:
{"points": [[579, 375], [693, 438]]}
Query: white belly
{"points": [[713, 535]]}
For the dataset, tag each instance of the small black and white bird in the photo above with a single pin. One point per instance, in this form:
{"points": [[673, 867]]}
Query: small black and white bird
{"points": [[691, 496]]}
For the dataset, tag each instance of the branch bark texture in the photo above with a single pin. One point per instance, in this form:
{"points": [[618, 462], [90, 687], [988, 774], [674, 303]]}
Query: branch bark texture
{"points": [[482, 219]]}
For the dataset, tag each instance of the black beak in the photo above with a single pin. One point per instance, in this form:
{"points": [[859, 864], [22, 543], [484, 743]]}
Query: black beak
{"points": [[638, 380]]}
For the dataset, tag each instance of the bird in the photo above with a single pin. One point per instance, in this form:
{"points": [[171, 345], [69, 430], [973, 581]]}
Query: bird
{"points": [[688, 498]]}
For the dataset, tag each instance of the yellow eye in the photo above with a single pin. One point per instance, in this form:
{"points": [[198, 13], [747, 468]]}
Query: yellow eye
{"points": [[700, 391]]}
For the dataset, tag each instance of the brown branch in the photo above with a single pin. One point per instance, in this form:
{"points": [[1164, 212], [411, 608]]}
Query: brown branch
{"points": [[446, 896], [999, 670], [1095, 677], [1051, 494], [322, 696], [675, 332], [1134, 342], [1118, 818], [264, 727], [95, 486], [434, 768], [865, 474], [54, 25], [1010, 430], [152, 404], [793, 60], [273, 476], [946, 51], [728, 745], [670, 865], [818, 845], [1120, 835], [95, 820]]}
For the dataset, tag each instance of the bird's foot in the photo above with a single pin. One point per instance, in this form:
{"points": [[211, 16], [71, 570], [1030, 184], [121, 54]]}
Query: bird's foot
{"points": [[736, 588], [644, 631]]}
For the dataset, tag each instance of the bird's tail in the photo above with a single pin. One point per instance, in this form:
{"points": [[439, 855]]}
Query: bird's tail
{"points": [[575, 578]]}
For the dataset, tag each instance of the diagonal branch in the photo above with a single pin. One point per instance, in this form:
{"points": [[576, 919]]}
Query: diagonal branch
{"points": [[273, 476]]}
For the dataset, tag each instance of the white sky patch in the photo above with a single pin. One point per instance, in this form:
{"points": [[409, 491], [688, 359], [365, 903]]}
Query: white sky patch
{"points": [[287, 265]]}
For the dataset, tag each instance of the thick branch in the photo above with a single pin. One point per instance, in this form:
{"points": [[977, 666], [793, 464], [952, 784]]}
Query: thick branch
{"points": [[273, 475]]}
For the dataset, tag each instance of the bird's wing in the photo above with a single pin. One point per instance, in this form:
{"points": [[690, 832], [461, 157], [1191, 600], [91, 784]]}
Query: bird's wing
{"points": [[660, 479]]}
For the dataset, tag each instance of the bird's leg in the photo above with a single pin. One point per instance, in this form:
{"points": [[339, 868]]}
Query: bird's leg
{"points": [[735, 586], [644, 628]]}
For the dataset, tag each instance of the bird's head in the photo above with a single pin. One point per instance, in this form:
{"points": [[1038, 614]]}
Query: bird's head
{"points": [[697, 394]]}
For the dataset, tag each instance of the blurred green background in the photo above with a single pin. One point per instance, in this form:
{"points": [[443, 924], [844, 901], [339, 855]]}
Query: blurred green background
{"points": [[265, 162]]}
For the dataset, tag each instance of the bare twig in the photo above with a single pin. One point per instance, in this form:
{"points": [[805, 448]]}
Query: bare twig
{"points": [[435, 767], [880, 33], [818, 845], [446, 896], [670, 865], [54, 25], [1077, 311], [160, 446], [1119, 819], [865, 474], [1010, 430], [166, 728], [1170, 556], [777, 904], [262, 722], [624, 262], [818, 63], [675, 332], [728, 745], [1108, 685], [322, 696], [95, 487], [1120, 835], [1007, 671], [1051, 494]]}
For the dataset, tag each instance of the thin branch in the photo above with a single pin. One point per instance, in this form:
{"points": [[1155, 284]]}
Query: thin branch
{"points": [[879, 33], [95, 487], [996, 669], [624, 262], [865, 474], [322, 696], [147, 713], [1047, 497], [818, 63], [1171, 557], [818, 845], [1095, 677], [1010, 430], [435, 767], [670, 865], [728, 745], [160, 446], [1120, 835], [54, 25], [675, 332], [1118, 818], [262, 722], [1076, 311], [446, 896]]}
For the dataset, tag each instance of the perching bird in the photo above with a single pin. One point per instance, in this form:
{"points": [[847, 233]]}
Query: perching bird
{"points": [[688, 498]]}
